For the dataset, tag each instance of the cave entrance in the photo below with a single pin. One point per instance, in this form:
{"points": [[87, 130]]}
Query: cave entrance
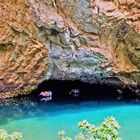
{"points": [[61, 90]]}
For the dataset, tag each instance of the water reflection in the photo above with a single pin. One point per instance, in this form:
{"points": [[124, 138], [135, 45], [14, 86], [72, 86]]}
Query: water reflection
{"points": [[26, 107], [16, 108]]}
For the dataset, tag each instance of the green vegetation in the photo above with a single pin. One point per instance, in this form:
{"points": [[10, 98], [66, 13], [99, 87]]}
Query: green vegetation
{"points": [[108, 130], [5, 136], [25, 91]]}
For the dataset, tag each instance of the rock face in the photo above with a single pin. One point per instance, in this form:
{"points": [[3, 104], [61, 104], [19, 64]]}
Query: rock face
{"points": [[88, 40]]}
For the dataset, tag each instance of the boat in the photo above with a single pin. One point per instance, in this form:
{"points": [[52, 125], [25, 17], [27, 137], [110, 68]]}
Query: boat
{"points": [[45, 94], [75, 92]]}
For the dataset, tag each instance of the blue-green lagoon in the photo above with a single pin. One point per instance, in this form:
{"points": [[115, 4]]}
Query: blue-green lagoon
{"points": [[43, 121]]}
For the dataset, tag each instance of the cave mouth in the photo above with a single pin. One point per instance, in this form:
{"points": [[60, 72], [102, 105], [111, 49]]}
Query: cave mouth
{"points": [[61, 90]]}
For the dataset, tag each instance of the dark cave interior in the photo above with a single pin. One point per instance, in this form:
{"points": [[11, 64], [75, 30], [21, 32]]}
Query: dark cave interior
{"points": [[61, 90]]}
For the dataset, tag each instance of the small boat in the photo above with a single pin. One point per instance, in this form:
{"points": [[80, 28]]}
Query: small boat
{"points": [[75, 92], [46, 94]]}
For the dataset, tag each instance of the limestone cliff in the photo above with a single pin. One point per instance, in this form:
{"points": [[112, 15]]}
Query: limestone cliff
{"points": [[89, 40]]}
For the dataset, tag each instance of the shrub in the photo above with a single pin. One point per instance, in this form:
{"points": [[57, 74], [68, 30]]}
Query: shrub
{"points": [[108, 130], [5, 136]]}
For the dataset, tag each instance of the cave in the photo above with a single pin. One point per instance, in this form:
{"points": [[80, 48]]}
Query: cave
{"points": [[62, 88]]}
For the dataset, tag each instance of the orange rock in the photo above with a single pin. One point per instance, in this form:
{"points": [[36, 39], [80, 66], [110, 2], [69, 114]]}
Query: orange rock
{"points": [[30, 30]]}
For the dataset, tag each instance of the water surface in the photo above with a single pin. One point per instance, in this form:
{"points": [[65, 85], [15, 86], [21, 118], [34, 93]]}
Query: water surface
{"points": [[42, 121]]}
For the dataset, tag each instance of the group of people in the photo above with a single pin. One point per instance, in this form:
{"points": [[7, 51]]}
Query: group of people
{"points": [[47, 95]]}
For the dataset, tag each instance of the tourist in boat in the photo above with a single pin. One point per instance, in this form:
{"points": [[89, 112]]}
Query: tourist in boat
{"points": [[46, 94]]}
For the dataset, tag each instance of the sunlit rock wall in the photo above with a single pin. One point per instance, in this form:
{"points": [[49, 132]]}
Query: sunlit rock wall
{"points": [[89, 40]]}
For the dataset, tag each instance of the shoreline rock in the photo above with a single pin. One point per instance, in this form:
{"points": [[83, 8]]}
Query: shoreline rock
{"points": [[20, 90]]}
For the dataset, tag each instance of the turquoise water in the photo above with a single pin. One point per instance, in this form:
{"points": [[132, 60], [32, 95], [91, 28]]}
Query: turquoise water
{"points": [[42, 121]]}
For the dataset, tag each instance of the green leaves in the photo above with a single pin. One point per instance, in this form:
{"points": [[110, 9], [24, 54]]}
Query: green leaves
{"points": [[5, 136], [108, 130]]}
